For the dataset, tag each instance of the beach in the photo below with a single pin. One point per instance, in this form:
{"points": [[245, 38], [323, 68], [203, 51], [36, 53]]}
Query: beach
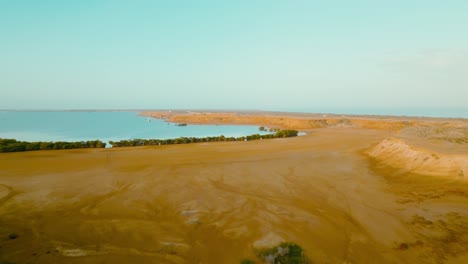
{"points": [[354, 189]]}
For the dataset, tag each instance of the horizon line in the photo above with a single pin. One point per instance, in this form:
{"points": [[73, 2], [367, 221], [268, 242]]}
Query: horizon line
{"points": [[292, 111]]}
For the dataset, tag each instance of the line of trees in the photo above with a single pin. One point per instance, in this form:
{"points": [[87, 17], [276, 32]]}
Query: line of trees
{"points": [[12, 145], [188, 140]]}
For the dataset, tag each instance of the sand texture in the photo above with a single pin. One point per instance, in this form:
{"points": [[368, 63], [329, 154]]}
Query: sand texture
{"points": [[355, 189]]}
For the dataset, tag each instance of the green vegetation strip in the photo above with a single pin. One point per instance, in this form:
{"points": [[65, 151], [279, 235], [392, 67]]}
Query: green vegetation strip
{"points": [[12, 145], [188, 140]]}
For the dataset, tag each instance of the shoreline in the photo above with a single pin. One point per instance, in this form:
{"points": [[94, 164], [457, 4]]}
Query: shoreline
{"points": [[329, 191], [299, 121], [321, 191]]}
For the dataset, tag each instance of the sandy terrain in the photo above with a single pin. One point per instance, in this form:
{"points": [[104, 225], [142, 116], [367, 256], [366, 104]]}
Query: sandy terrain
{"points": [[353, 190]]}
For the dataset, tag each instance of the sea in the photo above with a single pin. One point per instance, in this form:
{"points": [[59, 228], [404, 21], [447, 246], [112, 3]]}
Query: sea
{"points": [[104, 126]]}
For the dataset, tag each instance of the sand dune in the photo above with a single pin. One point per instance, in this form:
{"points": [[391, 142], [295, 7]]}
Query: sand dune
{"points": [[399, 155], [350, 192]]}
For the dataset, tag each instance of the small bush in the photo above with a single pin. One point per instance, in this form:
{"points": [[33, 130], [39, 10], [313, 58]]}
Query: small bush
{"points": [[285, 253], [403, 246]]}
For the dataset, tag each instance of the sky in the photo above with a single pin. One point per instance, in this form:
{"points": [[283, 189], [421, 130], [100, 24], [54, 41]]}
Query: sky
{"points": [[244, 54]]}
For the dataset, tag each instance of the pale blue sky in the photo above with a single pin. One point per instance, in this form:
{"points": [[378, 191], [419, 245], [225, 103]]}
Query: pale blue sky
{"points": [[242, 54]]}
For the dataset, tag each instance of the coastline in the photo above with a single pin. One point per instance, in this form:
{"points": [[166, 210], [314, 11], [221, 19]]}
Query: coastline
{"points": [[304, 121], [330, 191]]}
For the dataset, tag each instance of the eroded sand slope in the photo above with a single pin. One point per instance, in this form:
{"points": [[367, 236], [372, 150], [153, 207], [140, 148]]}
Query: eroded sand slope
{"points": [[345, 194]]}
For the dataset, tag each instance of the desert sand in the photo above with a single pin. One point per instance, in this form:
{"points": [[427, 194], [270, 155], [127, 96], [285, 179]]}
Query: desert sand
{"points": [[354, 189]]}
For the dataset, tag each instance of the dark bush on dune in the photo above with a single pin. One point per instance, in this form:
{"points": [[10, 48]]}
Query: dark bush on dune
{"points": [[285, 253]]}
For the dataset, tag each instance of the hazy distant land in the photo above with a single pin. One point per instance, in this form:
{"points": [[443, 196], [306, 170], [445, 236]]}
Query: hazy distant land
{"points": [[354, 189]]}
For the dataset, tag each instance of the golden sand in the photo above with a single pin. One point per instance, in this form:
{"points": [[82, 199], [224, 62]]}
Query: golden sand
{"points": [[359, 191]]}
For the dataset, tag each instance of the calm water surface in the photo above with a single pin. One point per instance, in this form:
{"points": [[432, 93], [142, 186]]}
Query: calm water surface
{"points": [[105, 126]]}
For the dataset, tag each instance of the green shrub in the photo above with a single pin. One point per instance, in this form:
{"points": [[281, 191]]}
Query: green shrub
{"points": [[285, 253]]}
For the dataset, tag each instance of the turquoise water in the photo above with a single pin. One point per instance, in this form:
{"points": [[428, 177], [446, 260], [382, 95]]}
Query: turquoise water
{"points": [[105, 126]]}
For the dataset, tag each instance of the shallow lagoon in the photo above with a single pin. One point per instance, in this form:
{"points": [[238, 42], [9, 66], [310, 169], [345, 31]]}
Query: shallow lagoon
{"points": [[105, 126]]}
